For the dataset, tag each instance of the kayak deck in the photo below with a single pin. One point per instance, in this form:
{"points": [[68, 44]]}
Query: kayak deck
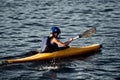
{"points": [[69, 52]]}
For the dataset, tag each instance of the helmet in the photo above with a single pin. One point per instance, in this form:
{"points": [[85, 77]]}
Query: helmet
{"points": [[55, 30]]}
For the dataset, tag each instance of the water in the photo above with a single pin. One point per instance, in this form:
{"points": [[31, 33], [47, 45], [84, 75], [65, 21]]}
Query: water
{"points": [[23, 23]]}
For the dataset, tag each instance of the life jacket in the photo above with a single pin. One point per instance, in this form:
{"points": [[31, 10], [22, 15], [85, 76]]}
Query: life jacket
{"points": [[46, 45]]}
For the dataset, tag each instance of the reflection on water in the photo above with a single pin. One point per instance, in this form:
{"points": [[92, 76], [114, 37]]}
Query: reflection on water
{"points": [[23, 23]]}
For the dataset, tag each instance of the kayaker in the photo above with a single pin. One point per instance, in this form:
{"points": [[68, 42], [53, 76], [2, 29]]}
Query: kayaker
{"points": [[52, 43]]}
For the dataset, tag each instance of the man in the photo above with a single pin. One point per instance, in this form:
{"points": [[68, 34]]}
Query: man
{"points": [[52, 42]]}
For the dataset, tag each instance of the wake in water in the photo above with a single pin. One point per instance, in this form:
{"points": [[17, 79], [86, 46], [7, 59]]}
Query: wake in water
{"points": [[49, 65], [47, 68]]}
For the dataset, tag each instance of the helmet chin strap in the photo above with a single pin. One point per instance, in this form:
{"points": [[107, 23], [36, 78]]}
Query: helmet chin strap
{"points": [[54, 35]]}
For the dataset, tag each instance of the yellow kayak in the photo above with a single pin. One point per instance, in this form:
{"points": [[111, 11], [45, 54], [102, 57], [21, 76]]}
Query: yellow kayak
{"points": [[69, 52]]}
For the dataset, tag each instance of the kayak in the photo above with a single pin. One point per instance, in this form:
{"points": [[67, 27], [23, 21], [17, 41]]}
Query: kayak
{"points": [[69, 52]]}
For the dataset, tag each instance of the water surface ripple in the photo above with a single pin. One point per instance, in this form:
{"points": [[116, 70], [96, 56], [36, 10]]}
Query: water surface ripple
{"points": [[23, 23]]}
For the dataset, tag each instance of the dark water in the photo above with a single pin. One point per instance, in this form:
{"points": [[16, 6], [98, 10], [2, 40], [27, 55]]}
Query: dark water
{"points": [[23, 23]]}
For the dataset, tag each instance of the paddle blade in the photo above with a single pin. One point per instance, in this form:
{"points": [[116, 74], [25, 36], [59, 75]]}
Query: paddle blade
{"points": [[88, 33]]}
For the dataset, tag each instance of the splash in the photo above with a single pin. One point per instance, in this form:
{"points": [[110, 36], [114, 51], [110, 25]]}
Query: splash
{"points": [[47, 68]]}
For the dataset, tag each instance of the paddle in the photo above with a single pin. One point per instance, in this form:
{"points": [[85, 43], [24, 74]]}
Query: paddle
{"points": [[86, 34]]}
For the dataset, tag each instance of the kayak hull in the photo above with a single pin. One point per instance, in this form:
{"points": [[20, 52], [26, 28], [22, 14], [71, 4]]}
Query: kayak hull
{"points": [[69, 52]]}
